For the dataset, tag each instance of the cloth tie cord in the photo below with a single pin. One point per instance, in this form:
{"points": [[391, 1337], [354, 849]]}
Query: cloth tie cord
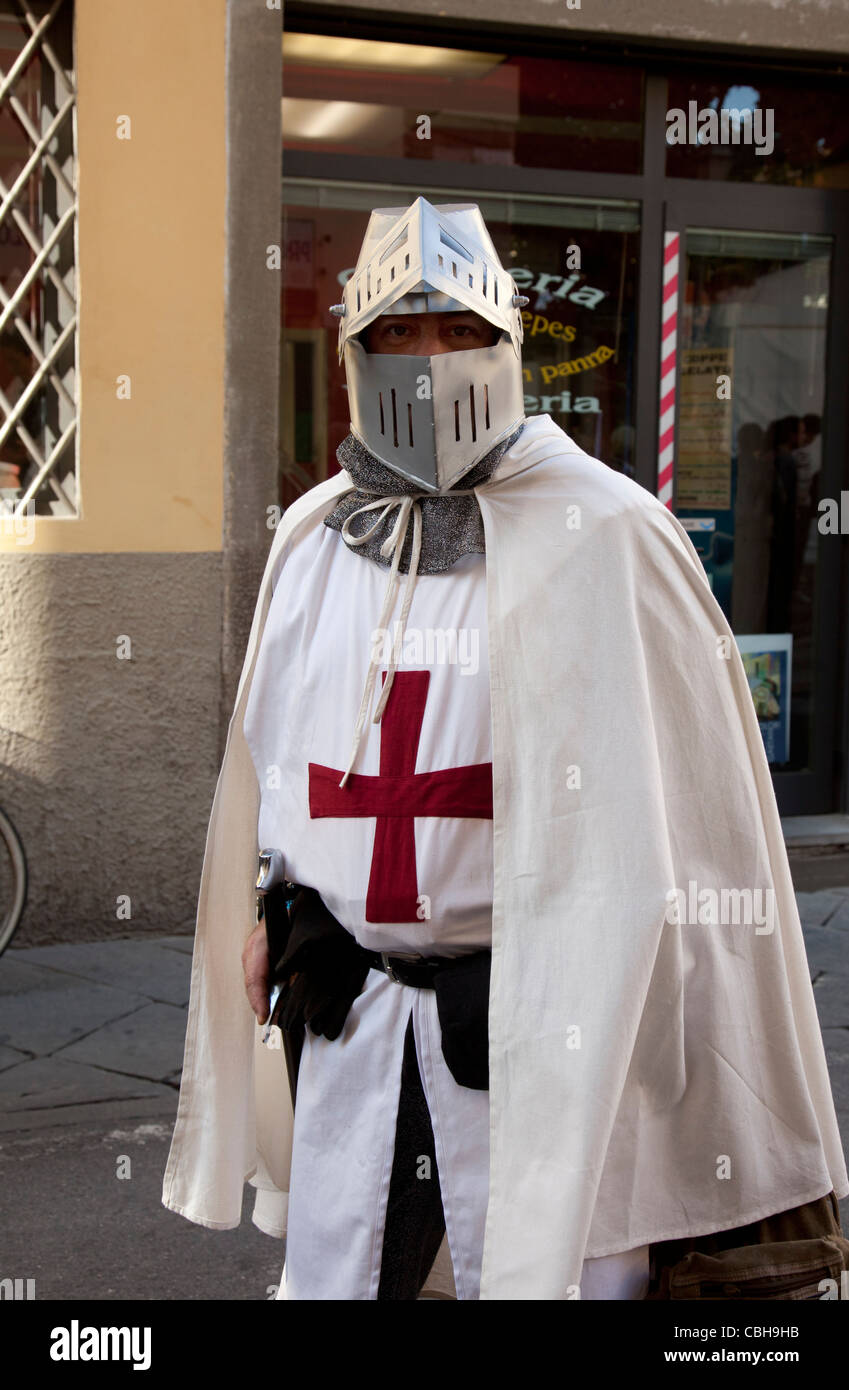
{"points": [[393, 545]]}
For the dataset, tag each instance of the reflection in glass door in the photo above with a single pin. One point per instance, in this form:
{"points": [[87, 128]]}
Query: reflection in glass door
{"points": [[752, 374]]}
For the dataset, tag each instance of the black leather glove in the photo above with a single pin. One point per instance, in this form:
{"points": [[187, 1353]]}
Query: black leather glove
{"points": [[321, 971]]}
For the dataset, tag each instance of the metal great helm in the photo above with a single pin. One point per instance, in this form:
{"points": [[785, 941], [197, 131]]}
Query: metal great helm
{"points": [[431, 419]]}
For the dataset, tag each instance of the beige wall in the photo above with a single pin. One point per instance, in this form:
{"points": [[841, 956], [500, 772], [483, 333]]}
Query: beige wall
{"points": [[151, 279], [109, 766]]}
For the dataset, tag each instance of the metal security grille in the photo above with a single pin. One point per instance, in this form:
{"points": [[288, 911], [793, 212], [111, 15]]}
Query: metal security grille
{"points": [[38, 301]]}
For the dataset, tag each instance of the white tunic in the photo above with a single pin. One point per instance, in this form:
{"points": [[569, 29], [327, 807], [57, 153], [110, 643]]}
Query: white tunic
{"points": [[302, 710], [308, 682], [299, 720]]}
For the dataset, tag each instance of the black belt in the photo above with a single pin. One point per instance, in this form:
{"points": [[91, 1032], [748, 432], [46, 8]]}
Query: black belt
{"points": [[461, 986], [419, 971]]}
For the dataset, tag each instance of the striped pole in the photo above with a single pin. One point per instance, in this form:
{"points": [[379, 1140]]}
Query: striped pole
{"points": [[668, 359]]}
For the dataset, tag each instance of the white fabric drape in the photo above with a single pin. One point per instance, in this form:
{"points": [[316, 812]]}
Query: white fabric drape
{"points": [[633, 1062]]}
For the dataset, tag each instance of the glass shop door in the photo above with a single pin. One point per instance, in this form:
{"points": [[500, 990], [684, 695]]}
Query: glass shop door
{"points": [[760, 426]]}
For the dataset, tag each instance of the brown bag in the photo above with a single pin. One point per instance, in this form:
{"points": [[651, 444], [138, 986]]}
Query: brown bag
{"points": [[783, 1256]]}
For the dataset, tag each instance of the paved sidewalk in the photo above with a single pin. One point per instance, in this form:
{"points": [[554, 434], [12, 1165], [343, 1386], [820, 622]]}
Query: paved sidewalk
{"points": [[825, 926], [81, 1025], [91, 1045], [91, 1041]]}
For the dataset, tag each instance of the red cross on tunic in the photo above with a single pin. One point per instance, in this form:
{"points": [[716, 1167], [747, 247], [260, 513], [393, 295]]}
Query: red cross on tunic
{"points": [[397, 795]]}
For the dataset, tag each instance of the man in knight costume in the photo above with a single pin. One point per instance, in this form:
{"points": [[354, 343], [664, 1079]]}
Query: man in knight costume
{"points": [[496, 728]]}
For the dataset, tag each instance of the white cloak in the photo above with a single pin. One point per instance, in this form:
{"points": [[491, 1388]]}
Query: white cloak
{"points": [[650, 1079]]}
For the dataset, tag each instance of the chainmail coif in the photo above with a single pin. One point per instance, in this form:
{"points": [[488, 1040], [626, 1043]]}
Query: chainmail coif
{"points": [[451, 525]]}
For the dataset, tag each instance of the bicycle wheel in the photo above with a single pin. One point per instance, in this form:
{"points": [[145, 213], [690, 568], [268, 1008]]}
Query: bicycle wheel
{"points": [[13, 880]]}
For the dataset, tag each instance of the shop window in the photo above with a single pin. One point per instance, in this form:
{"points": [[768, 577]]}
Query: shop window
{"points": [[37, 263], [752, 371], [576, 261], [352, 96], [775, 130]]}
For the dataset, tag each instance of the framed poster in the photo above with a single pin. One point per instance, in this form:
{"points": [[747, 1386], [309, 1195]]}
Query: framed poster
{"points": [[768, 661]]}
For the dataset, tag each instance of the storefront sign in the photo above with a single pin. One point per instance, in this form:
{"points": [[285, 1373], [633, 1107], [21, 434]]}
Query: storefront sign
{"points": [[596, 358], [561, 404], [298, 253], [704, 430], [587, 295]]}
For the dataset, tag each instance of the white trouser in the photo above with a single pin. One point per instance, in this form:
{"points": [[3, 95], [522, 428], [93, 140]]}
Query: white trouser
{"points": [[621, 1276]]}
